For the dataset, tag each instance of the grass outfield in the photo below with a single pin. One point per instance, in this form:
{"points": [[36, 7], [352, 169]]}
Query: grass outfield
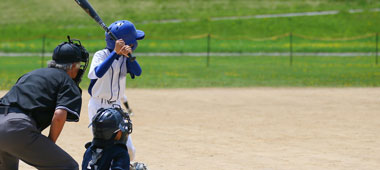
{"points": [[22, 31], [217, 44], [188, 72]]}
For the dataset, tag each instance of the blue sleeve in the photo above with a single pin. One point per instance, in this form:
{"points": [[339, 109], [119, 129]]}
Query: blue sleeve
{"points": [[133, 68], [101, 69]]}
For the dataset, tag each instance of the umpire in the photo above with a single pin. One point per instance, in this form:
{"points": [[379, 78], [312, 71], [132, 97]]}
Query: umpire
{"points": [[43, 97]]}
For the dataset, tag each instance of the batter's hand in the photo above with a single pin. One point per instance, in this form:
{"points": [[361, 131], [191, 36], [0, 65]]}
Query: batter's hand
{"points": [[125, 50], [119, 44]]}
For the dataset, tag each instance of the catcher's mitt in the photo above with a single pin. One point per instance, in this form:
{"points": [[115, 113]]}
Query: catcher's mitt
{"points": [[137, 166]]}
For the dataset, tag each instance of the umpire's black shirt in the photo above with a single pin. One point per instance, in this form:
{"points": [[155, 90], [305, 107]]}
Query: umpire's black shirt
{"points": [[42, 91]]}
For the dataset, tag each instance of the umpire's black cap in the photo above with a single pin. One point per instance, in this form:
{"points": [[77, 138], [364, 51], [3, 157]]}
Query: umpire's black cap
{"points": [[69, 52], [66, 53]]}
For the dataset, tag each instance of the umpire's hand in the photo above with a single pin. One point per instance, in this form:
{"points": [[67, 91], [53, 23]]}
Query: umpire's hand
{"points": [[59, 119]]}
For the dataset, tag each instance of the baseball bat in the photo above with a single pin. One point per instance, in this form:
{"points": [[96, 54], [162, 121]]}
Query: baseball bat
{"points": [[86, 6]]}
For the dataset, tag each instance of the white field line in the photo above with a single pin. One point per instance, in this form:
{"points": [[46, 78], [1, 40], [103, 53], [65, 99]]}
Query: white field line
{"points": [[316, 13], [203, 54], [352, 11], [260, 16], [278, 15]]}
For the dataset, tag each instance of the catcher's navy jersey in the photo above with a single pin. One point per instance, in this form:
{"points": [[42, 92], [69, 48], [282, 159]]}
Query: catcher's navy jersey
{"points": [[114, 157], [42, 91]]}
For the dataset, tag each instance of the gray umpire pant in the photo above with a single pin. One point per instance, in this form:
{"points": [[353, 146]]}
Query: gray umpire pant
{"points": [[20, 139]]}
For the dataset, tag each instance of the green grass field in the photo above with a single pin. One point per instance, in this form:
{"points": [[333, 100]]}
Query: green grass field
{"points": [[281, 43], [185, 72], [22, 30]]}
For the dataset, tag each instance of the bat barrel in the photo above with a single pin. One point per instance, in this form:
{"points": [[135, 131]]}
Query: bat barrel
{"points": [[90, 11]]}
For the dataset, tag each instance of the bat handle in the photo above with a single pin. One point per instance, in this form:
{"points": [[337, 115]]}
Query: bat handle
{"points": [[131, 57]]}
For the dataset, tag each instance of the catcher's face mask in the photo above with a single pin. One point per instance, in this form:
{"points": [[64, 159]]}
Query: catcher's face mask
{"points": [[108, 122]]}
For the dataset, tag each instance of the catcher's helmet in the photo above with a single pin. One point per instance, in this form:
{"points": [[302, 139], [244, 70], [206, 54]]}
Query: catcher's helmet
{"points": [[107, 122], [125, 30]]}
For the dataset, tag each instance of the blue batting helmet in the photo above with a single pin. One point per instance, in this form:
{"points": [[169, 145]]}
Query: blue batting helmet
{"points": [[125, 30]]}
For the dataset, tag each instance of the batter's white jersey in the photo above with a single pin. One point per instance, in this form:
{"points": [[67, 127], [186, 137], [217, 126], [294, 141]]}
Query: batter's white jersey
{"points": [[108, 89], [111, 86], [123, 85]]}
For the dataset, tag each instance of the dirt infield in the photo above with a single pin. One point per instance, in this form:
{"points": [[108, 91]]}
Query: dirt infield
{"points": [[248, 128]]}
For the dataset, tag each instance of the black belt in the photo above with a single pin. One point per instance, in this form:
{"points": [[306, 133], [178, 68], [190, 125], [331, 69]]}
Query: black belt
{"points": [[14, 109], [107, 101], [11, 109]]}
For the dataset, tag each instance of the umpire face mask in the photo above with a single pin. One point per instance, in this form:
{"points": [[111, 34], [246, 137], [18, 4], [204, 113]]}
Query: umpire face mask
{"points": [[82, 69], [83, 58], [72, 52]]}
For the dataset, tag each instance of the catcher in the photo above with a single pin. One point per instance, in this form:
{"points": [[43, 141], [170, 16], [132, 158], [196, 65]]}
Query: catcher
{"points": [[111, 128]]}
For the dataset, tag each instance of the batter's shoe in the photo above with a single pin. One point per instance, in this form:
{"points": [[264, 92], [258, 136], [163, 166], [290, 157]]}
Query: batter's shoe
{"points": [[129, 111], [137, 166]]}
